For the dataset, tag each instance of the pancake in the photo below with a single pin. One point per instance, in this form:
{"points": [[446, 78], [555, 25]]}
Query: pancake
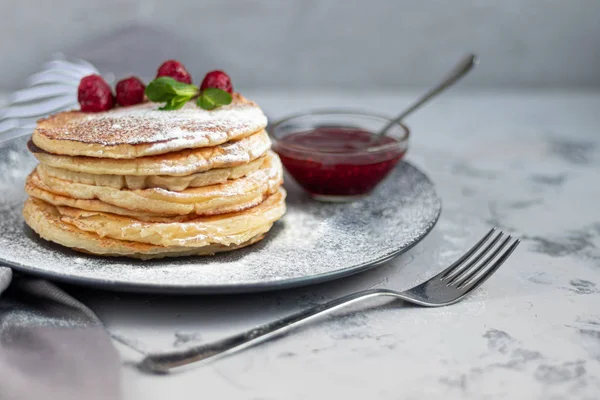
{"points": [[174, 183], [143, 130], [230, 196], [44, 219], [227, 229], [180, 163]]}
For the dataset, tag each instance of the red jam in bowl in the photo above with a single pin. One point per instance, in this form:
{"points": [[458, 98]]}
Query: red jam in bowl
{"points": [[337, 163]]}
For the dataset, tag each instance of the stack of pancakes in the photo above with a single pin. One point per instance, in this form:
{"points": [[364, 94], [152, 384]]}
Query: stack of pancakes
{"points": [[141, 182]]}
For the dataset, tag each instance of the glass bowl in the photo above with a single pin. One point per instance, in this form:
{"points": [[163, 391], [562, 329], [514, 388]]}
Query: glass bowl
{"points": [[335, 155]]}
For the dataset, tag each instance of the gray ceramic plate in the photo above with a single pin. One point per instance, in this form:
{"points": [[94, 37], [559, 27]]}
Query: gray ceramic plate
{"points": [[314, 242]]}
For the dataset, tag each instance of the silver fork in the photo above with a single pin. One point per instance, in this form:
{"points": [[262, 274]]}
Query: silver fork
{"points": [[449, 286]]}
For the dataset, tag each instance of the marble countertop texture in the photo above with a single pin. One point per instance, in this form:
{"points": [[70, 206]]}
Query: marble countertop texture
{"points": [[527, 163]]}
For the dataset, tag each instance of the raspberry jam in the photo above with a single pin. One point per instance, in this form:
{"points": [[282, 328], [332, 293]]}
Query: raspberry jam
{"points": [[337, 163]]}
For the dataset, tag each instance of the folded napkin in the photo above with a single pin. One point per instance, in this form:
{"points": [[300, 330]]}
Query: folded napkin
{"points": [[51, 345]]}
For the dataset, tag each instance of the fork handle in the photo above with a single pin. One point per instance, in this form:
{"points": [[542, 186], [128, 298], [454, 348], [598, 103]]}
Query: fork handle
{"points": [[162, 363]]}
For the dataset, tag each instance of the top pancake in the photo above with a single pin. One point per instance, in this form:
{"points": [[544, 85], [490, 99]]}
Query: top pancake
{"points": [[144, 130]]}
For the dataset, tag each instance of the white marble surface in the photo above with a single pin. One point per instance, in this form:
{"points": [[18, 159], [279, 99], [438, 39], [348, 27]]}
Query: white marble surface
{"points": [[528, 163]]}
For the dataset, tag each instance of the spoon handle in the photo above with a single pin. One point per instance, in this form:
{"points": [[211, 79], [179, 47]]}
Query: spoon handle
{"points": [[457, 72]]}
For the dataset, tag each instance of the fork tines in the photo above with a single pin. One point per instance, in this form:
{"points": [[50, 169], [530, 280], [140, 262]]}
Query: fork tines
{"points": [[481, 261]]}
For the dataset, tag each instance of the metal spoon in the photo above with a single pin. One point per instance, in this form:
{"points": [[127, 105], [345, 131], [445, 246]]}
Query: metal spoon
{"points": [[457, 72]]}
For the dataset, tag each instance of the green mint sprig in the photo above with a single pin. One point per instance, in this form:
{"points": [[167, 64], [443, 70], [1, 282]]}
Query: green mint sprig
{"points": [[175, 94], [171, 92], [211, 98]]}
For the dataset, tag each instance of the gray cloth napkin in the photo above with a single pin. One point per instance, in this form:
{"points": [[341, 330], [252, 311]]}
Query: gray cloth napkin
{"points": [[51, 345]]}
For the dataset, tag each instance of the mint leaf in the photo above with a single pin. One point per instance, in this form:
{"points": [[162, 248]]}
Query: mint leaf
{"points": [[183, 89], [159, 90], [205, 103], [175, 103], [211, 98], [217, 96], [167, 90]]}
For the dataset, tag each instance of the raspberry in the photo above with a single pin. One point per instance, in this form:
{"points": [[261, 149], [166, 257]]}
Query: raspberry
{"points": [[175, 70], [130, 91], [94, 94], [217, 79]]}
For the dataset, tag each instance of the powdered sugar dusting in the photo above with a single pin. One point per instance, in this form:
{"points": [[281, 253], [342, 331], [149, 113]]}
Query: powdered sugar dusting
{"points": [[145, 123], [313, 241]]}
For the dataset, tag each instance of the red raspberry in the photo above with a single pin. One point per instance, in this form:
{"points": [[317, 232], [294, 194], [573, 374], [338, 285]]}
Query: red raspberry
{"points": [[175, 70], [130, 91], [217, 79], [94, 94]]}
